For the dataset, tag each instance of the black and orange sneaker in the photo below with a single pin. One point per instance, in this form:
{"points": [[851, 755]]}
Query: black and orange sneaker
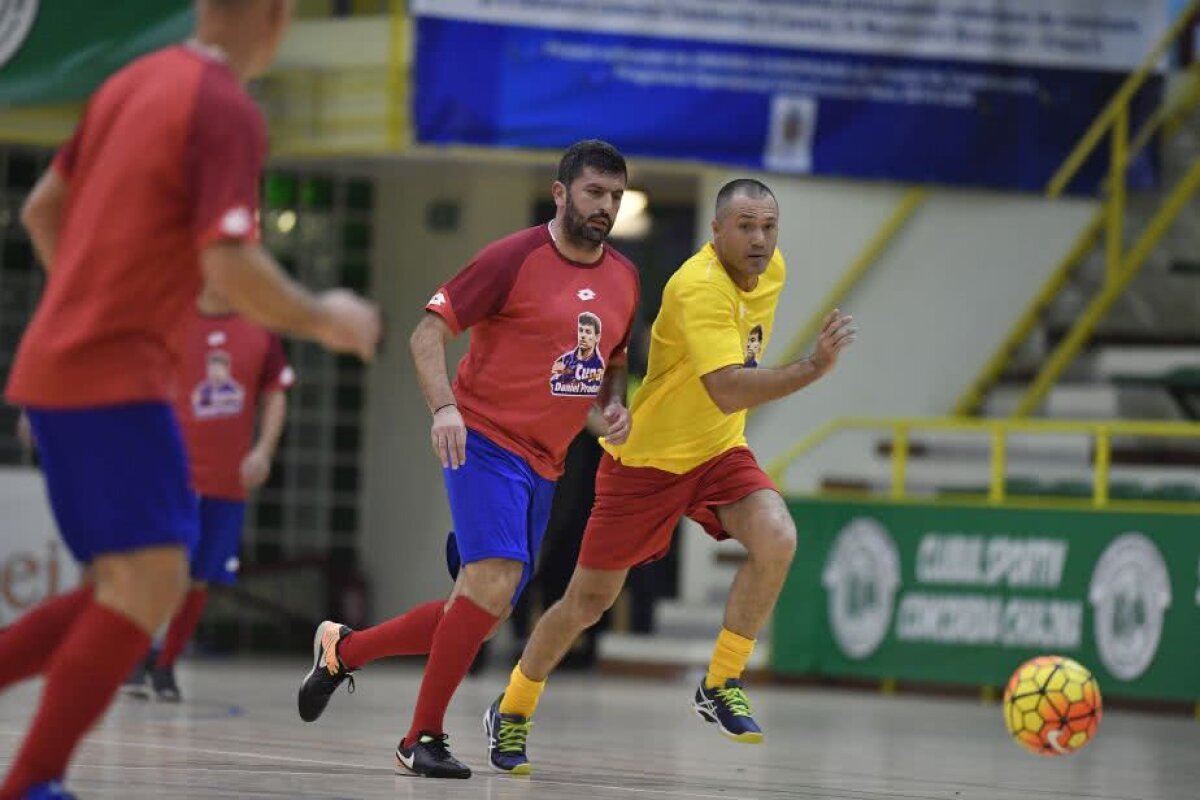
{"points": [[327, 673], [429, 756], [728, 709]]}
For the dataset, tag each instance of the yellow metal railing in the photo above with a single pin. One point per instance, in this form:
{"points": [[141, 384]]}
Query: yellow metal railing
{"points": [[998, 432], [862, 264], [1119, 104], [1120, 267]]}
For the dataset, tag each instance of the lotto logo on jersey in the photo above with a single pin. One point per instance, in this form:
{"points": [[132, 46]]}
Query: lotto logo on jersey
{"points": [[580, 371], [438, 299]]}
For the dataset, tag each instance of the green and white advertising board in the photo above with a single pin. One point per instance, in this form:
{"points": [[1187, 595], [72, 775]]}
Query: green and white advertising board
{"points": [[963, 594]]}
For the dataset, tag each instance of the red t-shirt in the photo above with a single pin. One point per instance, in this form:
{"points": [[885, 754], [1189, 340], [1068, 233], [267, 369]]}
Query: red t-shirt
{"points": [[544, 328], [165, 162], [228, 363]]}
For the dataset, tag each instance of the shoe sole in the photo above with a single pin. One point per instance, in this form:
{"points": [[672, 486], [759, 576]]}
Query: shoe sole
{"points": [[136, 692], [744, 738], [523, 769]]}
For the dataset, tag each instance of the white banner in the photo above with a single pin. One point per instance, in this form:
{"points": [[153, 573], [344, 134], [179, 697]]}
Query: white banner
{"points": [[1084, 34], [34, 563]]}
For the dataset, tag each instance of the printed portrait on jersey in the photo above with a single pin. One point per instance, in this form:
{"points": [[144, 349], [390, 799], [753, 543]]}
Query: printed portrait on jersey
{"points": [[580, 371], [754, 343], [218, 395]]}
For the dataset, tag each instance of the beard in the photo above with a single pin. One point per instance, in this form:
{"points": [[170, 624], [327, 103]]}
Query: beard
{"points": [[575, 225]]}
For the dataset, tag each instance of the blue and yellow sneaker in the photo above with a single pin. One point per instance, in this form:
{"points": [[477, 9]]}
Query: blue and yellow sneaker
{"points": [[52, 790], [728, 709], [506, 740]]}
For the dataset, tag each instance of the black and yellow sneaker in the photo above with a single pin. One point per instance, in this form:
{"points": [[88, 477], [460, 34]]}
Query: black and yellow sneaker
{"points": [[728, 709], [429, 756], [506, 740], [327, 673]]}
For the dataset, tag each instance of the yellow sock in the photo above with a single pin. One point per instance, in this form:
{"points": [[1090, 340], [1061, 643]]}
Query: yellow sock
{"points": [[522, 695], [729, 658]]}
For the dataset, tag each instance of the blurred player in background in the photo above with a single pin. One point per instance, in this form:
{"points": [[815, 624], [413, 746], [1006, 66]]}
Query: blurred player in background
{"points": [[536, 300], [687, 454], [231, 371], [155, 193]]}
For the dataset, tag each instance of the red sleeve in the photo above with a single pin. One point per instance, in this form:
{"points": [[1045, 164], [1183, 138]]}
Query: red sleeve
{"points": [[225, 152], [621, 354], [482, 288], [277, 374]]}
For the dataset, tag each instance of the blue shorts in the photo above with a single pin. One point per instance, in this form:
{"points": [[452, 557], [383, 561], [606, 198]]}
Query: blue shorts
{"points": [[216, 556], [117, 478], [500, 507]]}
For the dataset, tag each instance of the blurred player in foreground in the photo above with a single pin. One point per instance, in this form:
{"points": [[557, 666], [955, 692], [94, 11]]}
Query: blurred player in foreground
{"points": [[155, 193]]}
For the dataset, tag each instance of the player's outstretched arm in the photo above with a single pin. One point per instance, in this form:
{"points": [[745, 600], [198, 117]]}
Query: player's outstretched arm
{"points": [[735, 388], [42, 215], [448, 432], [250, 280]]}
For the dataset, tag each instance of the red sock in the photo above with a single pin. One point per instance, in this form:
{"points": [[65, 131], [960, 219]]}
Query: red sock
{"points": [[27, 644], [410, 634], [455, 644], [182, 627], [95, 657]]}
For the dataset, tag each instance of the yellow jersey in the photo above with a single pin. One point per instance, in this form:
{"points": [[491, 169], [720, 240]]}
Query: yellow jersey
{"points": [[705, 323]]}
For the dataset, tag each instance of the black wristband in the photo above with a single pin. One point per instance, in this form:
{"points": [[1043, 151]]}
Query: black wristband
{"points": [[447, 405]]}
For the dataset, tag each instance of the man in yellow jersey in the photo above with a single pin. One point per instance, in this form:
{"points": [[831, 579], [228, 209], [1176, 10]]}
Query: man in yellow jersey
{"points": [[687, 455]]}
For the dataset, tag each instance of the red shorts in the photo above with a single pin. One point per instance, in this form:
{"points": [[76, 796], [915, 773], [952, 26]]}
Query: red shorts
{"points": [[637, 508]]}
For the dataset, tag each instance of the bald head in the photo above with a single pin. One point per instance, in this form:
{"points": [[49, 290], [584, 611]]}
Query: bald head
{"points": [[741, 187]]}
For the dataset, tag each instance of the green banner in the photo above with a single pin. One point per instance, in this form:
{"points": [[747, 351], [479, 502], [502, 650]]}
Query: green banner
{"points": [[963, 595], [59, 51]]}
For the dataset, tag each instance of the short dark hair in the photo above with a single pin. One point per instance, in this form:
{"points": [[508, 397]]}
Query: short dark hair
{"points": [[600, 156], [590, 319], [757, 330], [748, 187]]}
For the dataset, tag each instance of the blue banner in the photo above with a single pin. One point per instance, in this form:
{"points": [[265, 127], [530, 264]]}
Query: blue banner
{"points": [[965, 92]]}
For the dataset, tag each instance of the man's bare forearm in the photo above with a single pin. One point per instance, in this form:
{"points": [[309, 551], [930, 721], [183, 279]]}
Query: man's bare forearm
{"points": [[274, 415], [735, 389], [614, 386], [428, 346], [248, 278]]}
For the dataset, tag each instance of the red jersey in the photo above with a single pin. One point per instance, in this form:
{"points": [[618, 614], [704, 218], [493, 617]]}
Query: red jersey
{"points": [[165, 161], [544, 330], [228, 363]]}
